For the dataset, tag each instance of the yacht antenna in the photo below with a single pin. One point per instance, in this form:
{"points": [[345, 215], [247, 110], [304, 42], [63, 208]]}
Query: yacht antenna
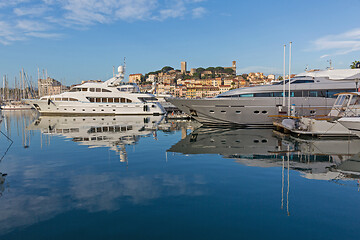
{"points": [[113, 71], [284, 77], [289, 100], [124, 64], [330, 62]]}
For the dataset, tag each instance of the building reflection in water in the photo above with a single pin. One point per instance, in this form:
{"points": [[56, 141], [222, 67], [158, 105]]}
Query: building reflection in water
{"points": [[322, 159]]}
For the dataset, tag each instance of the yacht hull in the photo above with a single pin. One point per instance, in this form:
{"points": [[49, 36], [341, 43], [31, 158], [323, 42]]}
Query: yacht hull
{"points": [[46, 107], [249, 111]]}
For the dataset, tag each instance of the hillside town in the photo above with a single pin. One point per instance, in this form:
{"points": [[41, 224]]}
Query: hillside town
{"points": [[198, 82]]}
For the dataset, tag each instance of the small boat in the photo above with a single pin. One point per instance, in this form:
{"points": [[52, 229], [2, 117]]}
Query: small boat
{"points": [[15, 105], [346, 105]]}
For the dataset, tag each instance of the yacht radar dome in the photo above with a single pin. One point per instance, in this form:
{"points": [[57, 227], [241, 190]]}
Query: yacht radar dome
{"points": [[121, 69]]}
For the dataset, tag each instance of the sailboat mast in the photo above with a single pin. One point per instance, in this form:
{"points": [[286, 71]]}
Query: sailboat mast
{"points": [[284, 77], [289, 96]]}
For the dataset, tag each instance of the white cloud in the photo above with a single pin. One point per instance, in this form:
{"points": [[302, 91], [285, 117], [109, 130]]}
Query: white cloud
{"points": [[31, 11], [24, 19], [339, 44], [198, 12], [29, 25]]}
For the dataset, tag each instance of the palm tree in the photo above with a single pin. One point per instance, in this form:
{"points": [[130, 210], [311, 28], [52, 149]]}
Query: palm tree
{"points": [[355, 64]]}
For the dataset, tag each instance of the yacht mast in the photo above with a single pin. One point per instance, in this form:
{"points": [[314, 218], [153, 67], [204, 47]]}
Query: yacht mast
{"points": [[289, 99], [284, 77]]}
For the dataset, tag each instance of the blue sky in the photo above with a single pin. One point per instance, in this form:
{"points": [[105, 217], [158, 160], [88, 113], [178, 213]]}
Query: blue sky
{"points": [[82, 39]]}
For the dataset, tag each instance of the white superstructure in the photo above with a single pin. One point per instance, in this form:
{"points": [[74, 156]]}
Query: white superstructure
{"points": [[312, 93], [112, 97]]}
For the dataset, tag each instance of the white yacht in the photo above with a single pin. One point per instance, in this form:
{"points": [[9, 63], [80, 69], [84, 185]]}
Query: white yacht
{"points": [[112, 97], [312, 94]]}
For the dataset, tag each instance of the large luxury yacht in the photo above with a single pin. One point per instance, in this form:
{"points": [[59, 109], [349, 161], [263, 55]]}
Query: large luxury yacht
{"points": [[312, 94], [112, 97]]}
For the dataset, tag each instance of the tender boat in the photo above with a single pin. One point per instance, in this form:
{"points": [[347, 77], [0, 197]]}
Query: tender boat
{"points": [[312, 94], [15, 105], [112, 97], [346, 105]]}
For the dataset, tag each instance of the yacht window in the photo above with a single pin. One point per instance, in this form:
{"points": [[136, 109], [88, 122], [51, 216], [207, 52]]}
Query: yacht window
{"points": [[264, 112], [73, 99], [128, 101], [91, 99], [75, 90], [223, 111], [277, 94], [340, 100], [122, 100], [57, 99], [110, 100], [116, 100], [84, 89], [313, 94], [105, 90], [211, 111], [291, 94], [321, 93], [104, 100], [98, 99], [98, 89], [65, 99], [246, 95], [262, 94], [297, 93], [92, 89], [238, 112], [256, 112], [302, 81]]}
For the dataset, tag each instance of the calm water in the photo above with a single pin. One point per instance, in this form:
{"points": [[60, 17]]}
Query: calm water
{"points": [[142, 178]]}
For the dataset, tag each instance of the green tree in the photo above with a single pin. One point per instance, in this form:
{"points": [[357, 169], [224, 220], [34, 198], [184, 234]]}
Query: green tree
{"points": [[219, 69], [244, 76], [166, 69], [200, 70], [212, 69], [353, 64], [229, 71], [280, 78]]}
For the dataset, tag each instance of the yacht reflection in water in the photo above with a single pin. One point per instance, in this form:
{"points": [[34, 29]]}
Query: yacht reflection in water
{"points": [[114, 132], [329, 159]]}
